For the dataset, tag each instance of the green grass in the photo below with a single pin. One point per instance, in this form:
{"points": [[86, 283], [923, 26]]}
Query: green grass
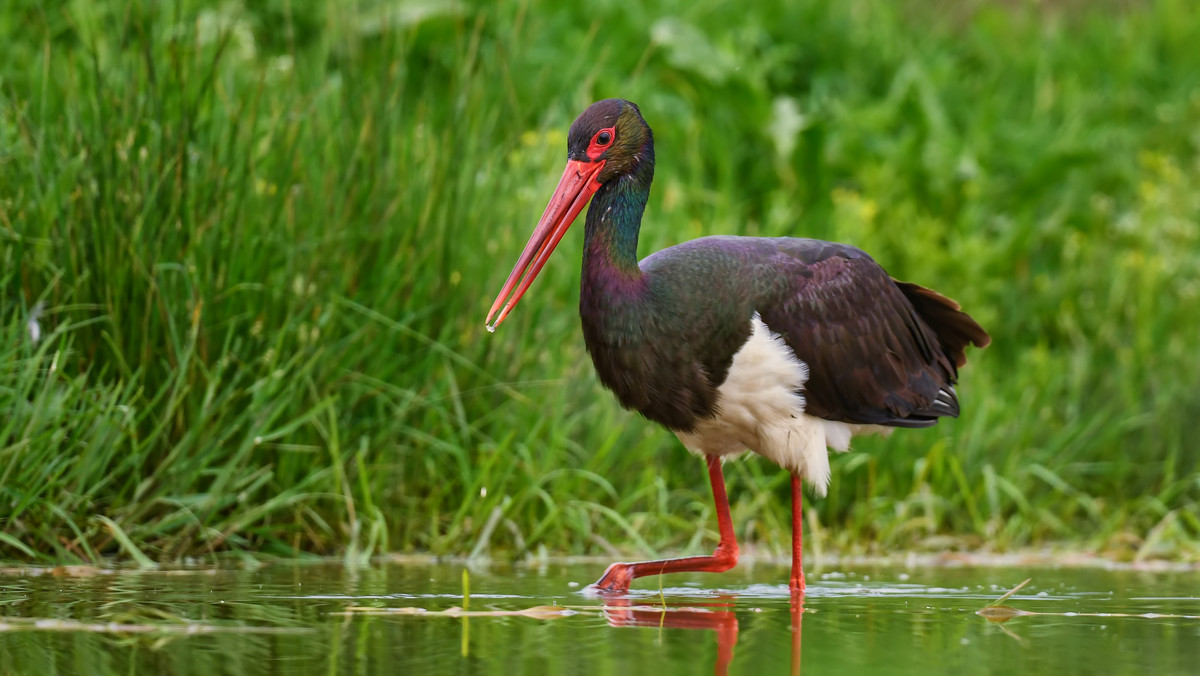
{"points": [[266, 235]]}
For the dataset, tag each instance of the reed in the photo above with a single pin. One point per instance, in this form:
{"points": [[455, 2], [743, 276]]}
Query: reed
{"points": [[265, 236]]}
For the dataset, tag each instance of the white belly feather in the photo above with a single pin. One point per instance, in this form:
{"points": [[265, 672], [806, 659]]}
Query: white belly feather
{"points": [[760, 408]]}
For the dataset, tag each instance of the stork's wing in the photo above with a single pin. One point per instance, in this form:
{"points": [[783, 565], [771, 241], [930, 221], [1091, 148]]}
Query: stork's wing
{"points": [[878, 351]]}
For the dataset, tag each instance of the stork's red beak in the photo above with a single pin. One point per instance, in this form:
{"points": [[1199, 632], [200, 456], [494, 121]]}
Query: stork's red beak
{"points": [[575, 188]]}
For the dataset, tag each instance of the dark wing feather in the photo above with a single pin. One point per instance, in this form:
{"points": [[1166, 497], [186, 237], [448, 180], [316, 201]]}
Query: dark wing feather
{"points": [[879, 351], [955, 328]]}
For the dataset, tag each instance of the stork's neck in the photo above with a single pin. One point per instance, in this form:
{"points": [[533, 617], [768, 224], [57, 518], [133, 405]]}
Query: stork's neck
{"points": [[611, 231], [612, 294]]}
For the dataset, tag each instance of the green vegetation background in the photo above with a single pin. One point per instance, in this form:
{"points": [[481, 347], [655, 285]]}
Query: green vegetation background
{"points": [[263, 237]]}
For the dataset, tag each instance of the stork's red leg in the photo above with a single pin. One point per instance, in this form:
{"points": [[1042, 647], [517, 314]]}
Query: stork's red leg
{"points": [[797, 583], [619, 575]]}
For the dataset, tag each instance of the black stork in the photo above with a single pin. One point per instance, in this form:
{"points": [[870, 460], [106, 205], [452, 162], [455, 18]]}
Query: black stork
{"points": [[783, 346]]}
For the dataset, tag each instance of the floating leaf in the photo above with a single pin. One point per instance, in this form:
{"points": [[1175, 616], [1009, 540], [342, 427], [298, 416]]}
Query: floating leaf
{"points": [[1000, 613]]}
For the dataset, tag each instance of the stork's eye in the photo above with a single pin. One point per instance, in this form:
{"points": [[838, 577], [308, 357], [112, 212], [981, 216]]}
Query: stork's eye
{"points": [[600, 142]]}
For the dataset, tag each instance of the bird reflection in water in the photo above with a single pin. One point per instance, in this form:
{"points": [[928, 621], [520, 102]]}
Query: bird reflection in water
{"points": [[717, 615]]}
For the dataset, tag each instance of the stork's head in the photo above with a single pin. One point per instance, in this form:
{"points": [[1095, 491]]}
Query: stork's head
{"points": [[607, 141]]}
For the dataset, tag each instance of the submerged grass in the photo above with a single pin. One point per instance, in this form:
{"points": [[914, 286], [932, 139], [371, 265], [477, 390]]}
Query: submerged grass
{"points": [[265, 236]]}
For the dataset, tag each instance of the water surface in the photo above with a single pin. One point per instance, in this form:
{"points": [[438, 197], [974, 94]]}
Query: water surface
{"points": [[298, 618]]}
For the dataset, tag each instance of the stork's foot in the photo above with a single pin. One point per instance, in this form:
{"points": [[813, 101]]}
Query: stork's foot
{"points": [[797, 584], [616, 579]]}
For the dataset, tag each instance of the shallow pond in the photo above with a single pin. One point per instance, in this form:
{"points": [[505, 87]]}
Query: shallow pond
{"points": [[285, 618]]}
